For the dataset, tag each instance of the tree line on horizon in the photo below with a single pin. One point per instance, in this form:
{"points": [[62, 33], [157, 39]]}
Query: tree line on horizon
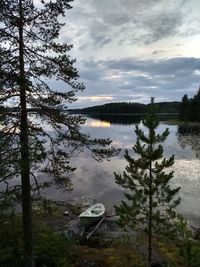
{"points": [[190, 107], [130, 108]]}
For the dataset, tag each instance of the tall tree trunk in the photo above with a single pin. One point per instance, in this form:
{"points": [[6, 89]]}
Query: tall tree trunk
{"points": [[150, 206], [25, 162]]}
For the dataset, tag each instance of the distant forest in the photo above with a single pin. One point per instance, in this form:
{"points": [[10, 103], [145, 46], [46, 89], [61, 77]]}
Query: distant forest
{"points": [[130, 108], [190, 107]]}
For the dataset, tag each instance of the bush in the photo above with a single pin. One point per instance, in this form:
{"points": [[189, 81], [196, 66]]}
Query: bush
{"points": [[51, 248]]}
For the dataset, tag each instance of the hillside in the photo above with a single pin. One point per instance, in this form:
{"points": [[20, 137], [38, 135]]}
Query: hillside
{"points": [[129, 108]]}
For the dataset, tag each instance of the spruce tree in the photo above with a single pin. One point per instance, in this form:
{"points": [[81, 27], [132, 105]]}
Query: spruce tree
{"points": [[38, 81], [185, 107], [151, 201], [195, 107], [190, 107]]}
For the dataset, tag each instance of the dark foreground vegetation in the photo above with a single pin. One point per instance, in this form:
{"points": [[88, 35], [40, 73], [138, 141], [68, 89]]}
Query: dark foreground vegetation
{"points": [[54, 248]]}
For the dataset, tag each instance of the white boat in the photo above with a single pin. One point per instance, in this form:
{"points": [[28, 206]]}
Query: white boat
{"points": [[92, 214]]}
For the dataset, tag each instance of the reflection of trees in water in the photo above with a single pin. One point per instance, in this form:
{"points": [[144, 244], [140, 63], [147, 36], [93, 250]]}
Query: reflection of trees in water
{"points": [[189, 136], [127, 119], [117, 119]]}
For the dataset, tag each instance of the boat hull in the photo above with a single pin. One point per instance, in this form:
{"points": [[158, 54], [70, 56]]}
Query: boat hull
{"points": [[89, 221], [92, 214]]}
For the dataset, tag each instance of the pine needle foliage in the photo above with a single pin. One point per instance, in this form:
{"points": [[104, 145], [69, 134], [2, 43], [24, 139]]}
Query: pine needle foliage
{"points": [[150, 199]]}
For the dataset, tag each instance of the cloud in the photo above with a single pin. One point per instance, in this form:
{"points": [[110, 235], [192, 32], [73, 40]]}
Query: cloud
{"points": [[129, 21], [96, 98], [161, 26], [93, 25], [131, 79], [130, 50]]}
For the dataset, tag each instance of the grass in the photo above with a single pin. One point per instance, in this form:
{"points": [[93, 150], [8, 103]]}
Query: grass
{"points": [[116, 256]]}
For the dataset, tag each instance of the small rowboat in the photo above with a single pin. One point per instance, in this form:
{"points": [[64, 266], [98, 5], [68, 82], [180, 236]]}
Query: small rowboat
{"points": [[92, 214]]}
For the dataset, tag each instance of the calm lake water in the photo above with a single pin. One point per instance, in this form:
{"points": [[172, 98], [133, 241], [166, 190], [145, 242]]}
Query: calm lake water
{"points": [[96, 180]]}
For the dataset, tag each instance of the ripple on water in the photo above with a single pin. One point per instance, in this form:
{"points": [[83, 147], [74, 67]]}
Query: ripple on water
{"points": [[187, 176]]}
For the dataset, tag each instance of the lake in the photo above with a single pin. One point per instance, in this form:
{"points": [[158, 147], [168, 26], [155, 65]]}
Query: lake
{"points": [[96, 180]]}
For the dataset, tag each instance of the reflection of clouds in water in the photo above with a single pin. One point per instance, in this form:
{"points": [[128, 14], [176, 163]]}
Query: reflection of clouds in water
{"points": [[112, 197], [189, 167], [91, 180], [97, 180], [92, 172], [187, 176]]}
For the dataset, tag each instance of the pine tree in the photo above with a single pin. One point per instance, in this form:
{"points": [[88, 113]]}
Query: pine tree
{"points": [[150, 201], [37, 132]]}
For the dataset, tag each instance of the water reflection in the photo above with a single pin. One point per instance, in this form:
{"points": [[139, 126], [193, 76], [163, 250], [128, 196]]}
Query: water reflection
{"points": [[127, 119], [97, 180], [116, 119], [193, 129], [189, 136], [98, 124]]}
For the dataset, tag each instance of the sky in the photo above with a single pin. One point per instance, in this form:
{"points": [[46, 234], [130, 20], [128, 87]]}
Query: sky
{"points": [[131, 50]]}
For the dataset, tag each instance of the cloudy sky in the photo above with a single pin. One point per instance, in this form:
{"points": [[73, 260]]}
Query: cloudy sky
{"points": [[130, 50]]}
